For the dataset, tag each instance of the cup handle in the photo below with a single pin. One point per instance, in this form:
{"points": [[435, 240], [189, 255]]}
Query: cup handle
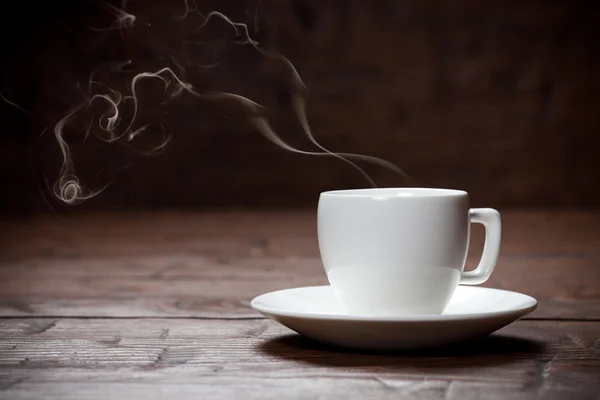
{"points": [[492, 222]]}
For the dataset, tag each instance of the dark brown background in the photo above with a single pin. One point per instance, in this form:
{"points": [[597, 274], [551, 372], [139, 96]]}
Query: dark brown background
{"points": [[500, 98]]}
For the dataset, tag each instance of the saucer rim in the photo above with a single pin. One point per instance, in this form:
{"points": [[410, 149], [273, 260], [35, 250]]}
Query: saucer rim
{"points": [[528, 308]]}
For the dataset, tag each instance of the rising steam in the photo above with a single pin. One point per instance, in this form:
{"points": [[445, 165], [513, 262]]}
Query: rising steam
{"points": [[123, 19], [114, 126]]}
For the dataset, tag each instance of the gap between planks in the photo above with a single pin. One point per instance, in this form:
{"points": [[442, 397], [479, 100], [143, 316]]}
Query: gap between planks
{"points": [[258, 318]]}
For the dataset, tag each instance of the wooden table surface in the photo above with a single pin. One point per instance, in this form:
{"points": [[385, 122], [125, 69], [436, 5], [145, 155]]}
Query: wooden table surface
{"points": [[156, 306]]}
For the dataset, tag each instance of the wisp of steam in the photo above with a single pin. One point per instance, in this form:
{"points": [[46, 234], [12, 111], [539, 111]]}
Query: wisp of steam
{"points": [[113, 126]]}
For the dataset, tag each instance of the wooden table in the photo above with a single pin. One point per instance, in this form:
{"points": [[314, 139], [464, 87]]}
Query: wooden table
{"points": [[110, 306]]}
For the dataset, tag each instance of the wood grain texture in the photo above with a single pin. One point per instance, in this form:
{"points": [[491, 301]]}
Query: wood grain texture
{"points": [[211, 265], [150, 358]]}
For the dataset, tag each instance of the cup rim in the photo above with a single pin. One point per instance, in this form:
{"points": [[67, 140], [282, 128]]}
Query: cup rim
{"points": [[396, 192]]}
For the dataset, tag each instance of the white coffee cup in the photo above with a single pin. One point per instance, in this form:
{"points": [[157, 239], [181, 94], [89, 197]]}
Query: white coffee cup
{"points": [[398, 251]]}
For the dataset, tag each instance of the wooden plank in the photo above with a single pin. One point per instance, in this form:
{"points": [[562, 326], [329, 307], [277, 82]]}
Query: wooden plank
{"points": [[201, 387], [283, 388], [287, 234], [199, 287], [212, 265], [150, 357]]}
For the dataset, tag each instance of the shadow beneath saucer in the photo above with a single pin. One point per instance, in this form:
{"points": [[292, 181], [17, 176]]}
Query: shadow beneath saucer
{"points": [[491, 350]]}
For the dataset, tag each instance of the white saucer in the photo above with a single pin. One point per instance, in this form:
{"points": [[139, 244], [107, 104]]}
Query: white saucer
{"points": [[315, 312]]}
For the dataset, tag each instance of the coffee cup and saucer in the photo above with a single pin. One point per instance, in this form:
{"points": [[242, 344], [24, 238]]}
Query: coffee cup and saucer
{"points": [[395, 259]]}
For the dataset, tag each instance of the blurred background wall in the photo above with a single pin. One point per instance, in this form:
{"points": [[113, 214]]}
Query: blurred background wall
{"points": [[499, 98]]}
